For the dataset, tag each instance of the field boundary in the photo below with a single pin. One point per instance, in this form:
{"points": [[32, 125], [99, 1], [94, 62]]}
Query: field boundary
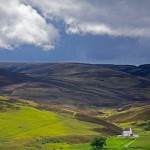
{"points": [[129, 143]]}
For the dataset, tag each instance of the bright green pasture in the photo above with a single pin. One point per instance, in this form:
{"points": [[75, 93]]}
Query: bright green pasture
{"points": [[117, 142], [112, 143], [30, 122], [26, 125], [143, 142]]}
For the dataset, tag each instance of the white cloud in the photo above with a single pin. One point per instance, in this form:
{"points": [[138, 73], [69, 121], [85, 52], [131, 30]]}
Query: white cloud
{"points": [[21, 24], [111, 17]]}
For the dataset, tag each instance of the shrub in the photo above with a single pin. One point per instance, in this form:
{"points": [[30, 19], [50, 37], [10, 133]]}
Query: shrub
{"points": [[98, 143]]}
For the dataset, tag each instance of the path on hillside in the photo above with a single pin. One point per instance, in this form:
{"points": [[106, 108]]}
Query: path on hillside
{"points": [[18, 88]]}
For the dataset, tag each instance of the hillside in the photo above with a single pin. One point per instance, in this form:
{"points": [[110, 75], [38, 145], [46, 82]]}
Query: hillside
{"points": [[142, 70], [77, 84], [9, 78], [29, 125], [24, 124], [55, 68], [69, 104]]}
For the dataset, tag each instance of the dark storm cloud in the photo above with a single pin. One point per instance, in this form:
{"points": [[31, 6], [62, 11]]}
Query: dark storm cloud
{"points": [[99, 17]]}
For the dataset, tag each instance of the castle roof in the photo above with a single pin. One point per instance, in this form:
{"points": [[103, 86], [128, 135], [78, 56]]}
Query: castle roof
{"points": [[127, 129]]}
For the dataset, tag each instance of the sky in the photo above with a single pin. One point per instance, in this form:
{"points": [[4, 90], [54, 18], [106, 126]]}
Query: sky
{"points": [[86, 31]]}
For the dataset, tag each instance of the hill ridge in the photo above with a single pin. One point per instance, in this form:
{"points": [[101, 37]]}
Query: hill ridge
{"points": [[78, 84]]}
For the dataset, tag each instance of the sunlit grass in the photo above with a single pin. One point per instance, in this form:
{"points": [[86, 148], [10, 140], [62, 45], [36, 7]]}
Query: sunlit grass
{"points": [[26, 124]]}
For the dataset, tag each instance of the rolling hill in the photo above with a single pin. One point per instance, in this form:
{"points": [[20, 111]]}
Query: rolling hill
{"points": [[78, 84], [70, 103], [9, 78], [28, 125]]}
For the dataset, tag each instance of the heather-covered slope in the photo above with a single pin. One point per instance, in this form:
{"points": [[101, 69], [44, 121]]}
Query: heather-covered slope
{"points": [[9, 78], [80, 84]]}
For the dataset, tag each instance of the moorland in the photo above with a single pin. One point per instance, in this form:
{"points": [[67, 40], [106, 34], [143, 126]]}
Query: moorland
{"points": [[65, 105]]}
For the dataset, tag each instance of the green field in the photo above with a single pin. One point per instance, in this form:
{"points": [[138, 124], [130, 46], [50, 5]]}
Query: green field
{"points": [[141, 143], [23, 126], [111, 144]]}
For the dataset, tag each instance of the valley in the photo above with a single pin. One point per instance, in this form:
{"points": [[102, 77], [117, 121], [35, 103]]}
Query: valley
{"points": [[29, 125], [65, 105], [76, 84]]}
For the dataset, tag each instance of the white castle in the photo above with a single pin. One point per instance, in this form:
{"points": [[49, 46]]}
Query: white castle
{"points": [[127, 133]]}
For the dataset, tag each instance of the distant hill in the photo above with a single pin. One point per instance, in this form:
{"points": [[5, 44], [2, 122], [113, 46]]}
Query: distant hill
{"points": [[9, 78], [142, 70], [78, 84], [52, 68]]}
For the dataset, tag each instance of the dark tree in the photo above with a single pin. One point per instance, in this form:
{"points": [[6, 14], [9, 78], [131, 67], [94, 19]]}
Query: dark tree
{"points": [[98, 143]]}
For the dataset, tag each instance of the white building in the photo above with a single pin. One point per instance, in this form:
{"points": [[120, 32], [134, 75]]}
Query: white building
{"points": [[127, 133]]}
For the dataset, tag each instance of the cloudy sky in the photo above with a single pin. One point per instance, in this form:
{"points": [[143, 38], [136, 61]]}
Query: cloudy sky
{"points": [[91, 31]]}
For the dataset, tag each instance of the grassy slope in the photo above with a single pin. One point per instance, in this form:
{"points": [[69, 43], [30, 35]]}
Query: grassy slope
{"points": [[142, 143], [25, 127], [40, 129], [133, 116], [22, 125]]}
